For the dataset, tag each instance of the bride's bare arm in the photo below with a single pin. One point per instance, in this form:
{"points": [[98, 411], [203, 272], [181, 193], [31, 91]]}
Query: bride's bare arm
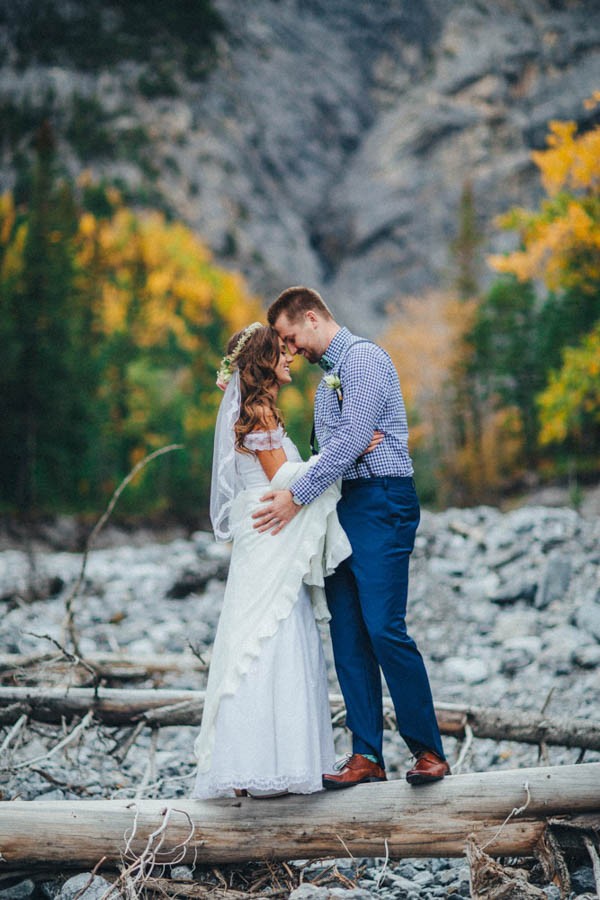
{"points": [[273, 458]]}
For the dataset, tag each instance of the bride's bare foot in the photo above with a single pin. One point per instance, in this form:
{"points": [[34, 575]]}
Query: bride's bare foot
{"points": [[240, 792]]}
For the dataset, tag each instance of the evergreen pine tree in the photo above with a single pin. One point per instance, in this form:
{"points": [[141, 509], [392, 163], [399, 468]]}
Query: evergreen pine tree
{"points": [[44, 397]]}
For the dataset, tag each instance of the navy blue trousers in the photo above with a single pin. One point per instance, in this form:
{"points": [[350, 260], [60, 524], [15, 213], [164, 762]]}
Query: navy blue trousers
{"points": [[367, 598]]}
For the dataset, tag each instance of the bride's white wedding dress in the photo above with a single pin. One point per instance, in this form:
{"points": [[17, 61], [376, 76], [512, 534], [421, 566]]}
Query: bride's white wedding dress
{"points": [[266, 723]]}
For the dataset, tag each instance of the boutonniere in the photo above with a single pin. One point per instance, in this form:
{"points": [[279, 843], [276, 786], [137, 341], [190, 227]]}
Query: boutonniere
{"points": [[333, 383]]}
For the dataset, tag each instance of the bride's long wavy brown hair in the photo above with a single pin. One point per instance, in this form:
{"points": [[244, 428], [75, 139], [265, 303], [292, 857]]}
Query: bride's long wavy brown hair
{"points": [[256, 363]]}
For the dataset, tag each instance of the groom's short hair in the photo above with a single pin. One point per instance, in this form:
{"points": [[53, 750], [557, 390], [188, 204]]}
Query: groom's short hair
{"points": [[294, 302]]}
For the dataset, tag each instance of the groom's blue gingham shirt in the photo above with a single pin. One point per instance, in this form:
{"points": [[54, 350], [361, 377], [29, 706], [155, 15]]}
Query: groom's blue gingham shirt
{"points": [[372, 401]]}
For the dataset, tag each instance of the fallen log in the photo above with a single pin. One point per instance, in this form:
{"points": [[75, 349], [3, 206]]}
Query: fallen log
{"points": [[177, 707], [117, 666], [506, 812]]}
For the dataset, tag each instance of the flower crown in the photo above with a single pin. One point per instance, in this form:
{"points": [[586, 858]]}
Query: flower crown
{"points": [[225, 370]]}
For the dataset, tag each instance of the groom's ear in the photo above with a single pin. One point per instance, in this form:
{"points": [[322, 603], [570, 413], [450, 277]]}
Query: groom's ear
{"points": [[311, 317]]}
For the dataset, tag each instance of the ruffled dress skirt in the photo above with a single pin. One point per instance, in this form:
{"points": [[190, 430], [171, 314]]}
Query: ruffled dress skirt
{"points": [[266, 723], [274, 733]]}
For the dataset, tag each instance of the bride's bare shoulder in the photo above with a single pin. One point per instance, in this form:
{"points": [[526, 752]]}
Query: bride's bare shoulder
{"points": [[265, 419]]}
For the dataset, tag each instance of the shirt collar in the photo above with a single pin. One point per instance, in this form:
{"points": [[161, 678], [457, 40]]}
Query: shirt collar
{"points": [[338, 344]]}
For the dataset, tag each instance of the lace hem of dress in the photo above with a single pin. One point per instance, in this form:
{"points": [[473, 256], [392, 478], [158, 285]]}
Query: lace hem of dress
{"points": [[223, 786], [265, 440]]}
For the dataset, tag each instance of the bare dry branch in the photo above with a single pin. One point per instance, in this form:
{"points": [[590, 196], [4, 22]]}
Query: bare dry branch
{"points": [[69, 623]]}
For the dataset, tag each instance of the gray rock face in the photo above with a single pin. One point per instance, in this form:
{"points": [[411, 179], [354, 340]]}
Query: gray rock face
{"points": [[330, 144]]}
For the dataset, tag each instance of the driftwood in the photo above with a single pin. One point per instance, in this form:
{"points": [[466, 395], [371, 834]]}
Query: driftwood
{"points": [[177, 707], [115, 666], [505, 812]]}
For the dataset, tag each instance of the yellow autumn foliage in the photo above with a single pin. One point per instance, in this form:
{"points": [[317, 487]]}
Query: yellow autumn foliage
{"points": [[157, 281], [561, 241], [7, 218], [424, 339], [162, 312]]}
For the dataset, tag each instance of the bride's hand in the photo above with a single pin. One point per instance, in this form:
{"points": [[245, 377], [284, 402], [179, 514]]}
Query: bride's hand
{"points": [[375, 441]]}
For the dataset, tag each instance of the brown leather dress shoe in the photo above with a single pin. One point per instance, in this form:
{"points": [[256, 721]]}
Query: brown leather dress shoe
{"points": [[356, 770], [429, 767]]}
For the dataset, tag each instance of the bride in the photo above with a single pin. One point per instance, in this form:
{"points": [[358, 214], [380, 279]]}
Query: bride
{"points": [[266, 726]]}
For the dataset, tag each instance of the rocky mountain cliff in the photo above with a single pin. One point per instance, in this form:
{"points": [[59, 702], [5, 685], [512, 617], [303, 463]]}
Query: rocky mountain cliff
{"points": [[329, 141]]}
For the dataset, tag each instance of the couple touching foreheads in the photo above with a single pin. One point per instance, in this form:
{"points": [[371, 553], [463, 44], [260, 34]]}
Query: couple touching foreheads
{"points": [[323, 540]]}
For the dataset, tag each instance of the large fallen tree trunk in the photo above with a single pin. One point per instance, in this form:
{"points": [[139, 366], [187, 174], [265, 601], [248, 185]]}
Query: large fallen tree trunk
{"points": [[118, 666], [506, 812], [176, 707]]}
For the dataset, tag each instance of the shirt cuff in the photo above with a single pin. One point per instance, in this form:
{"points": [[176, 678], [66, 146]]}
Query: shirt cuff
{"points": [[303, 491]]}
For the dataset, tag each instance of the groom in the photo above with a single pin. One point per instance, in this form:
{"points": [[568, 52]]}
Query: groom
{"points": [[379, 512]]}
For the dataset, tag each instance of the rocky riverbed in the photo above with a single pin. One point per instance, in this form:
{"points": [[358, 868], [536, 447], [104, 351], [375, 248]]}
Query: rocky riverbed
{"points": [[505, 607]]}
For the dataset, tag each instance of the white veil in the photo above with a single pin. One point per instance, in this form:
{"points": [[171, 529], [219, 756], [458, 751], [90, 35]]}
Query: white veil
{"points": [[222, 488]]}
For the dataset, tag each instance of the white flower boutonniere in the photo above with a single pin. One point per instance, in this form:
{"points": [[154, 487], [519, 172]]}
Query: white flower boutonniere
{"points": [[333, 383]]}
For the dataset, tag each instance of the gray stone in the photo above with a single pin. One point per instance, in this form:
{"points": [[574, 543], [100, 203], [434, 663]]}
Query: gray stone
{"points": [[529, 643], [587, 657], [309, 892], [552, 892], [352, 894], [514, 660], [55, 794], [559, 645], [511, 623], [510, 592], [582, 879], [423, 878], [194, 581], [92, 887], [555, 581], [588, 619], [50, 889], [21, 891], [445, 568], [400, 883], [182, 873], [472, 671], [313, 892]]}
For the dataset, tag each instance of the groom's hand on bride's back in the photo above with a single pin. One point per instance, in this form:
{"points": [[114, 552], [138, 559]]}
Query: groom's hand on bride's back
{"points": [[280, 510]]}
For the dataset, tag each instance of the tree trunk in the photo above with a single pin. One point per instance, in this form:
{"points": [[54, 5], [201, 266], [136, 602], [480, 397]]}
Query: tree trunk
{"points": [[107, 665], [505, 811], [177, 707]]}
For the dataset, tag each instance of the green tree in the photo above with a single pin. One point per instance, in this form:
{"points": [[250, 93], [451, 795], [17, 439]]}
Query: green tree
{"points": [[570, 404], [466, 245], [45, 383], [505, 356]]}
